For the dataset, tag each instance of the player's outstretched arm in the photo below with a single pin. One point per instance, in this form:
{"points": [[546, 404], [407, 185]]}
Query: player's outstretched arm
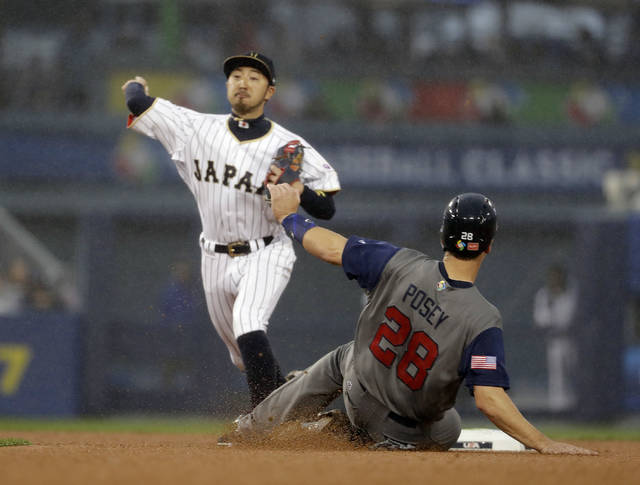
{"points": [[318, 241], [501, 411]]}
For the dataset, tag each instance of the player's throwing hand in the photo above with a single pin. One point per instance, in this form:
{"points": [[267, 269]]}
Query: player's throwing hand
{"points": [[139, 80]]}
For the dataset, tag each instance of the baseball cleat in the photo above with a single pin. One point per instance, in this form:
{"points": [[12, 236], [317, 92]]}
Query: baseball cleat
{"points": [[333, 420], [241, 426], [319, 425], [224, 440], [336, 423]]}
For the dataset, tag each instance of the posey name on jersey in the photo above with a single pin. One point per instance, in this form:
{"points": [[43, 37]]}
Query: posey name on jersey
{"points": [[425, 306]]}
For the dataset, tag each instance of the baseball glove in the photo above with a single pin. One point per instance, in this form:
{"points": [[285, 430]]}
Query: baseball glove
{"points": [[289, 158]]}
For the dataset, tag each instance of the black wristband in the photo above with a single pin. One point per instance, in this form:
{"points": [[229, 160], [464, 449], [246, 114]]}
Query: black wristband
{"points": [[137, 101]]}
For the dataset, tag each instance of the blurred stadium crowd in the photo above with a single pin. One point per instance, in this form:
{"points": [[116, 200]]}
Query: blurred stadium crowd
{"points": [[463, 60]]}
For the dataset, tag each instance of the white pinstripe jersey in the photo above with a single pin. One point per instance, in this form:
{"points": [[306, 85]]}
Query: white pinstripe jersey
{"points": [[224, 173]]}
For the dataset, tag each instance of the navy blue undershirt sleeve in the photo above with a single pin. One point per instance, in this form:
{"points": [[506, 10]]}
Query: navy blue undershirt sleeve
{"points": [[316, 205], [137, 101], [364, 259], [487, 344]]}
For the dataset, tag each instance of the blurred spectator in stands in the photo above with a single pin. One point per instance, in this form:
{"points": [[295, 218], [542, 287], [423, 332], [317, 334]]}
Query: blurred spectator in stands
{"points": [[5, 84], [41, 298], [77, 46], [35, 87], [381, 102], [332, 29], [14, 287], [202, 48], [590, 51], [45, 68], [491, 102], [485, 20], [293, 99], [387, 36], [30, 58], [621, 187], [177, 304], [589, 104], [425, 36], [554, 311]]}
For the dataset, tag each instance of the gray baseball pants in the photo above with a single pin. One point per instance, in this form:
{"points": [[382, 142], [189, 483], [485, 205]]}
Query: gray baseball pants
{"points": [[303, 397]]}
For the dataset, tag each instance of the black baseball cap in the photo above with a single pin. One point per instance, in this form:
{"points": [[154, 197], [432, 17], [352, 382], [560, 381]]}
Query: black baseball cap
{"points": [[252, 59]]}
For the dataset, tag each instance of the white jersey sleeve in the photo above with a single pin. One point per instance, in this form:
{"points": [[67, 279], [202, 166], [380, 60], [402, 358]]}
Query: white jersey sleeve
{"points": [[317, 173], [171, 125]]}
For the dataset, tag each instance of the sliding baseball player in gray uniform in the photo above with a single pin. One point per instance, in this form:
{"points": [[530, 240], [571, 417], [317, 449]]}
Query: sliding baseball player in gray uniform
{"points": [[425, 329], [225, 159]]}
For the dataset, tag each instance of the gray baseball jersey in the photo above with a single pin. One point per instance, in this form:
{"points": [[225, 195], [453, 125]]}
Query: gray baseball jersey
{"points": [[419, 336], [421, 333]]}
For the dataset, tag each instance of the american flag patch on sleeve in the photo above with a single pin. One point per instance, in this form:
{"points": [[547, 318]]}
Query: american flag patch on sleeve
{"points": [[483, 362]]}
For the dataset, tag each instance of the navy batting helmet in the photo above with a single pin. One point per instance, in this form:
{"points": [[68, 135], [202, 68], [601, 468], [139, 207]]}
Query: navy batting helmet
{"points": [[469, 224]]}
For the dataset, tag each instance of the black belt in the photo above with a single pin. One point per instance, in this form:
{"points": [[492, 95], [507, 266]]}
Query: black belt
{"points": [[408, 422], [239, 247]]}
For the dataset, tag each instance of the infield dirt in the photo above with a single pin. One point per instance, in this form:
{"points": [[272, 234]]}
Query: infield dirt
{"points": [[72, 458]]}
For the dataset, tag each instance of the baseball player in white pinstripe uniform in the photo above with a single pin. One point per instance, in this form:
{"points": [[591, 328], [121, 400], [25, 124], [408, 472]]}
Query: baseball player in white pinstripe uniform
{"points": [[225, 161]]}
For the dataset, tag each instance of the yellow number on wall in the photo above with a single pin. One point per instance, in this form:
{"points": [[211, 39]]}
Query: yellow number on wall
{"points": [[16, 358]]}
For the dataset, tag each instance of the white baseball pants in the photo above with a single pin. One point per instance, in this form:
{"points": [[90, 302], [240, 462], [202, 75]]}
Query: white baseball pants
{"points": [[242, 291]]}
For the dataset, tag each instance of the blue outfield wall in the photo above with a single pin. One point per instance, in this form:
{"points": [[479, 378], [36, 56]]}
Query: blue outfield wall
{"points": [[40, 365], [496, 165], [632, 378], [55, 157]]}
